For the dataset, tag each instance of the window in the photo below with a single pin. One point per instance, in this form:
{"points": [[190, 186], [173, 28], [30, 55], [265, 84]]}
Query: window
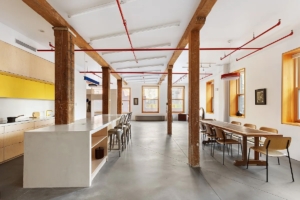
{"points": [[210, 96], [291, 87], [126, 96], [150, 102], [237, 95], [178, 99]]}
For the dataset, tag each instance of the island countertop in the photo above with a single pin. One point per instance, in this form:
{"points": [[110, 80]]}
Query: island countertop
{"points": [[88, 124]]}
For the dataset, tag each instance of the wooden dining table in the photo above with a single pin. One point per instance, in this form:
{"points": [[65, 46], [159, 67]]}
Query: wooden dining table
{"points": [[244, 132]]}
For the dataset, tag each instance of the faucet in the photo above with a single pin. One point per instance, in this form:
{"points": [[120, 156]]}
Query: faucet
{"points": [[47, 112]]}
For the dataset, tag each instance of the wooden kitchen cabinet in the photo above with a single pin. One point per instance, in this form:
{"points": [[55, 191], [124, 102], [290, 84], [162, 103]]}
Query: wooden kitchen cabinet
{"points": [[1, 155], [12, 137]]}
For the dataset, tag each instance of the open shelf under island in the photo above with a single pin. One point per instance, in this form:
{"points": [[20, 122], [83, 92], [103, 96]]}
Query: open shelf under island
{"points": [[64, 155]]}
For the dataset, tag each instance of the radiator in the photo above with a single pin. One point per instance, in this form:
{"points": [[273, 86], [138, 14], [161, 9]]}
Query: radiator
{"points": [[149, 118]]}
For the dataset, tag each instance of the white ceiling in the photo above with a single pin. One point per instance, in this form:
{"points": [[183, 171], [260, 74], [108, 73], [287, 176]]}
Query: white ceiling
{"points": [[233, 20]]}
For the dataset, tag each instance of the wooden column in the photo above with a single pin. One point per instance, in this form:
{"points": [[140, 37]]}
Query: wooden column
{"points": [[105, 90], [64, 76], [193, 155], [170, 70], [119, 100]]}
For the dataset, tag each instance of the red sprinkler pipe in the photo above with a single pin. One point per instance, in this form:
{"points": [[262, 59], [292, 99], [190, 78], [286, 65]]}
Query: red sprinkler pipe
{"points": [[100, 77], [180, 79], [118, 72], [125, 25], [254, 38], [266, 46], [51, 45], [157, 49], [205, 76]]}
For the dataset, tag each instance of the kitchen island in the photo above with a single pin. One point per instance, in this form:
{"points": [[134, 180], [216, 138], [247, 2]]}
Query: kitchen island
{"points": [[64, 155]]}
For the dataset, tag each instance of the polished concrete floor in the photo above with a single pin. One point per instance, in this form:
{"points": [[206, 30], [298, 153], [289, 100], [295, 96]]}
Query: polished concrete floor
{"points": [[154, 166]]}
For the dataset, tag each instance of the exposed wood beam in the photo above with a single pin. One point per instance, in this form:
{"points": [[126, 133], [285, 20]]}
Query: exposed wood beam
{"points": [[43, 8], [197, 22]]}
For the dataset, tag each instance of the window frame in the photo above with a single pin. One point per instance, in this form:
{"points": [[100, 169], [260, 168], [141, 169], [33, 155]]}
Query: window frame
{"points": [[234, 93], [183, 100], [289, 89], [151, 86], [126, 100], [210, 96]]}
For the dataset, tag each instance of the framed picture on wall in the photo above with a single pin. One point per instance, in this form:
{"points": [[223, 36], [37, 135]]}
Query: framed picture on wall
{"points": [[135, 101], [261, 96]]}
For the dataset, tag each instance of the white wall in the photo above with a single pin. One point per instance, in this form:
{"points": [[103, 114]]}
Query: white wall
{"points": [[80, 96], [136, 92], [263, 70]]}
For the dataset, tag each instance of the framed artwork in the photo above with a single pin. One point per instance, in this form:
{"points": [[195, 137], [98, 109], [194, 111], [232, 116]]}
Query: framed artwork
{"points": [[135, 101], [261, 96]]}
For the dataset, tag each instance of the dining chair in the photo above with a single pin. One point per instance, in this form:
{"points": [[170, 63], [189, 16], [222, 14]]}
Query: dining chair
{"points": [[222, 140], [272, 147], [210, 135]]}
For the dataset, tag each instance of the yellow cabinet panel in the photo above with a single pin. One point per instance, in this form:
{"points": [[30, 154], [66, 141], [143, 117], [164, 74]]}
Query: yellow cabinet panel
{"points": [[1, 140]]}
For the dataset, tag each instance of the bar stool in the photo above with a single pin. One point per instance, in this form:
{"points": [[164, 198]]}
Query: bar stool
{"points": [[118, 133]]}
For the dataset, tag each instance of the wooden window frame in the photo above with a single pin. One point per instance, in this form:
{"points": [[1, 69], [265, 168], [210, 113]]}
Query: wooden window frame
{"points": [[145, 86], [127, 100], [210, 96], [289, 88], [183, 98], [234, 94]]}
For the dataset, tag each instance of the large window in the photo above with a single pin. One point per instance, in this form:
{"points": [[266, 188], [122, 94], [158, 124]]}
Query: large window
{"points": [[210, 96], [126, 96], [150, 102], [178, 99], [291, 87], [237, 95]]}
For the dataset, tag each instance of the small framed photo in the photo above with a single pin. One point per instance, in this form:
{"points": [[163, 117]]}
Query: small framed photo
{"points": [[135, 101], [261, 96]]}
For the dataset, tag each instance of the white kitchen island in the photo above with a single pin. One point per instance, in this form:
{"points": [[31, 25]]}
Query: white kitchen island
{"points": [[64, 155]]}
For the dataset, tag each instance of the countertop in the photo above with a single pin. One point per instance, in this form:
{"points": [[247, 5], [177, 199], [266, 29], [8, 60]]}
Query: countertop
{"points": [[83, 125], [26, 121]]}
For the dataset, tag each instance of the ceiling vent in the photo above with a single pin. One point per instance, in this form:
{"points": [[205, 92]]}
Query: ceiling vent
{"points": [[25, 45]]}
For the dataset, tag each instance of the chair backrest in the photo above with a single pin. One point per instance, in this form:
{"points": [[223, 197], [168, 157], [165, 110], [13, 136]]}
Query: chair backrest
{"points": [[219, 133], [250, 126], [236, 123], [208, 129], [277, 143], [273, 130]]}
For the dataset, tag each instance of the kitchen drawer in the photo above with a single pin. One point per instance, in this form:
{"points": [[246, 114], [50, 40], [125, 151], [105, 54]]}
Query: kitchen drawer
{"points": [[27, 125], [1, 155], [13, 137], [13, 127], [44, 123], [11, 151], [1, 140]]}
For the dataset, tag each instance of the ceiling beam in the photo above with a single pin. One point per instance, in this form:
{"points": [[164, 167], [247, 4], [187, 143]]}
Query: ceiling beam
{"points": [[197, 21], [43, 8]]}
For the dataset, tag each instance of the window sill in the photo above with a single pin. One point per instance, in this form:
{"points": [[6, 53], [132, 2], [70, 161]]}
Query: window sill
{"points": [[292, 123], [237, 116], [209, 112]]}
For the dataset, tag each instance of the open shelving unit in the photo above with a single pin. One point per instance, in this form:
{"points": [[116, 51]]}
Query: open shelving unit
{"points": [[98, 139]]}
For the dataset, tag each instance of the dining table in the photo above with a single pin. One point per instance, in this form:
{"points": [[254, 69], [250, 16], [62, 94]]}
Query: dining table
{"points": [[244, 132]]}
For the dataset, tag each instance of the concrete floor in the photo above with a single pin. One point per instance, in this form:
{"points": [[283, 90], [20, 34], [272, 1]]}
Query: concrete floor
{"points": [[155, 166]]}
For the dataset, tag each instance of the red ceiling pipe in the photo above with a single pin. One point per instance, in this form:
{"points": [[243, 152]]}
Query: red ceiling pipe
{"points": [[125, 25], [118, 72], [206, 76], [254, 38], [180, 79], [51, 45], [100, 77], [156, 49], [266, 46]]}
